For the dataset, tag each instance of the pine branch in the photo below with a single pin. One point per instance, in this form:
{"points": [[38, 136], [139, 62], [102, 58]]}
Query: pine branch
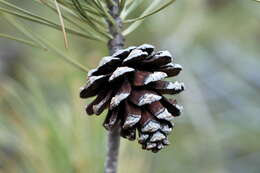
{"points": [[116, 43], [113, 151]]}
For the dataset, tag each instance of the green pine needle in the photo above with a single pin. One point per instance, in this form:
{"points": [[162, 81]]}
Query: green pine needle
{"points": [[20, 40], [137, 23], [47, 23], [150, 13], [47, 45], [130, 7], [89, 18]]}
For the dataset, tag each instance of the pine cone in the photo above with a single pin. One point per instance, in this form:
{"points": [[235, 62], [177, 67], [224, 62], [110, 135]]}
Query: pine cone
{"points": [[130, 84]]}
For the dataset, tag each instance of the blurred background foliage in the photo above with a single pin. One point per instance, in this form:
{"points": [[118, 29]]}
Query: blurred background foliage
{"points": [[43, 126]]}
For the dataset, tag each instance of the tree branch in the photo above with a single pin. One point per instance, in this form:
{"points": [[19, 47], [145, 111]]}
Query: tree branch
{"points": [[116, 43], [113, 150]]}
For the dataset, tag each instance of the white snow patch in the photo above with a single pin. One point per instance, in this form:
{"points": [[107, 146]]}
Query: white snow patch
{"points": [[165, 115], [176, 85], [166, 129], [146, 46], [157, 136], [177, 66], [135, 53], [98, 106], [151, 126], [120, 71], [173, 65], [91, 72], [106, 60], [156, 76], [148, 99], [116, 100], [151, 145], [131, 120], [92, 79]]}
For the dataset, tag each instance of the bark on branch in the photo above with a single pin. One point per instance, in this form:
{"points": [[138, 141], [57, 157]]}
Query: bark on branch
{"points": [[116, 43]]}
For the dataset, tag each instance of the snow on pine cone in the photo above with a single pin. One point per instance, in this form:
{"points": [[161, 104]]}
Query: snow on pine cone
{"points": [[130, 84]]}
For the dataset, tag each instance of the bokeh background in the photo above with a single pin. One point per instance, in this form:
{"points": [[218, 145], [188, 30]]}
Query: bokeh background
{"points": [[43, 126]]}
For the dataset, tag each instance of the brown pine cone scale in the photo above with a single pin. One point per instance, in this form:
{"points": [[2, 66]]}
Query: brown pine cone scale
{"points": [[130, 85]]}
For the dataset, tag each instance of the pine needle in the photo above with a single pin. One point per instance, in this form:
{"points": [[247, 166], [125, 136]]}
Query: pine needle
{"points": [[20, 40], [27, 33], [62, 24], [132, 5], [48, 45], [136, 24], [151, 13]]}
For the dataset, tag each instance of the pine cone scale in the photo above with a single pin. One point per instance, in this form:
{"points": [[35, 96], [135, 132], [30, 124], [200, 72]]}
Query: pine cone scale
{"points": [[120, 72], [143, 97], [165, 87], [158, 59], [132, 115], [171, 69], [122, 94], [111, 119], [136, 55], [172, 106], [93, 87]]}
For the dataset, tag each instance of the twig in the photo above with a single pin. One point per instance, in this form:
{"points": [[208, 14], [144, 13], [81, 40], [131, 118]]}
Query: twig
{"points": [[113, 150], [116, 43]]}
